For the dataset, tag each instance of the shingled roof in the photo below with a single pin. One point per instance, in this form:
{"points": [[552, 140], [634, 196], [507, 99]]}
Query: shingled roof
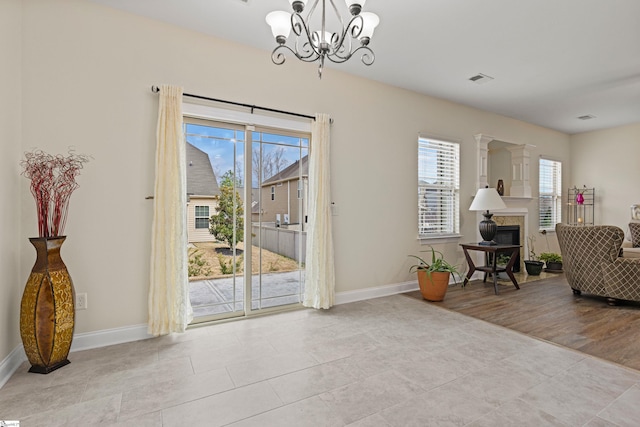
{"points": [[290, 172], [201, 181]]}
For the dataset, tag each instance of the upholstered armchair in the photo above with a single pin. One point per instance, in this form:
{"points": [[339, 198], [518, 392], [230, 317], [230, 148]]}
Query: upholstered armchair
{"points": [[631, 243], [591, 261]]}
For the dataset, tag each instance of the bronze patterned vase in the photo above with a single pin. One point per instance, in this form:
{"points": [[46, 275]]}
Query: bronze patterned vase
{"points": [[47, 311]]}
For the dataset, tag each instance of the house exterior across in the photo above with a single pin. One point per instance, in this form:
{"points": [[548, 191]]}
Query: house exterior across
{"points": [[284, 196], [202, 194]]}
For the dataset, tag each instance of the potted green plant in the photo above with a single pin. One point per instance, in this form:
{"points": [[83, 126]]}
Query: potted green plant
{"points": [[533, 265], [553, 261], [433, 278]]}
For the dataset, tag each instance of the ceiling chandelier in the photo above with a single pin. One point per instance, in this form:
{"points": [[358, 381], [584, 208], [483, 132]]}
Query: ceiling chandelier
{"points": [[315, 44]]}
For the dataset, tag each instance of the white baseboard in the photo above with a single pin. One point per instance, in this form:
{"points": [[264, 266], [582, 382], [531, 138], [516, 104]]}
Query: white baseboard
{"points": [[386, 290], [105, 337], [376, 292], [11, 363]]}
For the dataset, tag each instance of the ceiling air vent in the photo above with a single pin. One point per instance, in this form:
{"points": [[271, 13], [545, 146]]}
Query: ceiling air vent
{"points": [[587, 117], [481, 78]]}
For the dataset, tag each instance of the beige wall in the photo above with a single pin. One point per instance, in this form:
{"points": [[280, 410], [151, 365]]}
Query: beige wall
{"points": [[86, 79], [12, 184], [608, 161]]}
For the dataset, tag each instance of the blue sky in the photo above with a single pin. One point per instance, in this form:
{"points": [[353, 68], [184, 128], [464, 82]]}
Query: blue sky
{"points": [[219, 144]]}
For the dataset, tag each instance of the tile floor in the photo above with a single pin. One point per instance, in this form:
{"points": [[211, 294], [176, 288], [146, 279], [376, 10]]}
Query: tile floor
{"points": [[393, 361]]}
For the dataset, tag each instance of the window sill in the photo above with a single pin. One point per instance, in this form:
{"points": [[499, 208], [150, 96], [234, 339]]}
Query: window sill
{"points": [[442, 238]]}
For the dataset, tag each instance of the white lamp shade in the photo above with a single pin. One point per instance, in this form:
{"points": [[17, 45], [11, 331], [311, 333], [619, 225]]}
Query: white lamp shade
{"points": [[487, 199], [369, 23], [280, 23]]}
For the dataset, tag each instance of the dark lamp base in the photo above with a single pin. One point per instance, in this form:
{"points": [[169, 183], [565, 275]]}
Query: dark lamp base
{"points": [[488, 229]]}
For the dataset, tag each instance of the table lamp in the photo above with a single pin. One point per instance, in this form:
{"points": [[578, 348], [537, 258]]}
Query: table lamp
{"points": [[487, 199]]}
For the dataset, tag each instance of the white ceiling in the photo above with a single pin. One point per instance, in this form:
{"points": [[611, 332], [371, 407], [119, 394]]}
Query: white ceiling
{"points": [[552, 60]]}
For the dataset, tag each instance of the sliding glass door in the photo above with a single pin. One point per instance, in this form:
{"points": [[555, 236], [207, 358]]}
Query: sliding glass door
{"points": [[246, 218], [280, 170]]}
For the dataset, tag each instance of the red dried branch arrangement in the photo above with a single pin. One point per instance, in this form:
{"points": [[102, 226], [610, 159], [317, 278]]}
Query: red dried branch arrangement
{"points": [[53, 179]]}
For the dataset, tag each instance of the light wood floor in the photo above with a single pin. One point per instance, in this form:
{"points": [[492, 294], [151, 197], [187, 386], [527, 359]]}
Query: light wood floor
{"points": [[547, 309]]}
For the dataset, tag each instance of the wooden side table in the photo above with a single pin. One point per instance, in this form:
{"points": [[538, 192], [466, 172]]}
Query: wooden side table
{"points": [[490, 262]]}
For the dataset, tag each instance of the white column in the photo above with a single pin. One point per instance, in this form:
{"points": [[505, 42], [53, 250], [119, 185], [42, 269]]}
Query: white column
{"points": [[520, 184], [483, 159]]}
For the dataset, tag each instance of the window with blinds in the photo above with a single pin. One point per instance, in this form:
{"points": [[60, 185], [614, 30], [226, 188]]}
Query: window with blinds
{"points": [[438, 187], [550, 190], [202, 216]]}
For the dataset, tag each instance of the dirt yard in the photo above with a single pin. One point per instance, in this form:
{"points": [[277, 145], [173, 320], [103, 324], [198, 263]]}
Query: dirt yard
{"points": [[205, 259]]}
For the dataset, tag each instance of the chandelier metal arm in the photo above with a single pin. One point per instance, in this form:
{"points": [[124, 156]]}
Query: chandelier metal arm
{"points": [[344, 42], [311, 10], [307, 52], [336, 11], [278, 57], [368, 57], [299, 25]]}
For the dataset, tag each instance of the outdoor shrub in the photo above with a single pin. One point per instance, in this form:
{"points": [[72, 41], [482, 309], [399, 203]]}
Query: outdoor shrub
{"points": [[197, 265], [273, 266], [226, 264]]}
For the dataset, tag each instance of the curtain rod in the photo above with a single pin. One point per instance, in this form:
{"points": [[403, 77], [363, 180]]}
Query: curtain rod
{"points": [[156, 89]]}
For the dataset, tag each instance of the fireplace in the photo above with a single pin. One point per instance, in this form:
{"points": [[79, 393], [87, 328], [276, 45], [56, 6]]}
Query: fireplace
{"points": [[509, 235]]}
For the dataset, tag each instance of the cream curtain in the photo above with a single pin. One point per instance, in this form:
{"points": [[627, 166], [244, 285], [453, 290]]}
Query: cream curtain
{"points": [[169, 305], [319, 289]]}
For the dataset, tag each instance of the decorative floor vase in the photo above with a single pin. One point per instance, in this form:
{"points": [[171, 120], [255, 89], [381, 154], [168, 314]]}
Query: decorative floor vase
{"points": [[47, 311]]}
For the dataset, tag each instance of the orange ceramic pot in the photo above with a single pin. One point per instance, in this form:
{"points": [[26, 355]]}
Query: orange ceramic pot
{"points": [[434, 286]]}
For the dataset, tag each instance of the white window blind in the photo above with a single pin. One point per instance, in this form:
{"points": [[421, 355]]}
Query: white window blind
{"points": [[202, 216], [438, 187], [550, 191]]}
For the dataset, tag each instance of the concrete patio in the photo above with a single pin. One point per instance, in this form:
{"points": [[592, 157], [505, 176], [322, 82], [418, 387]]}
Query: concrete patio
{"points": [[216, 296]]}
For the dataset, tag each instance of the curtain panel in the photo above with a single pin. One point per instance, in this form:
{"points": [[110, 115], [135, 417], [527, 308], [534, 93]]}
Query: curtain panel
{"points": [[169, 305], [319, 289]]}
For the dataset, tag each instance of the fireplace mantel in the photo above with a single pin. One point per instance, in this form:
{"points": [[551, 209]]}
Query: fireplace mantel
{"points": [[519, 181]]}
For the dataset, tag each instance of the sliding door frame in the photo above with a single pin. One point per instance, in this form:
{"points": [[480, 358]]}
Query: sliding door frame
{"points": [[213, 116]]}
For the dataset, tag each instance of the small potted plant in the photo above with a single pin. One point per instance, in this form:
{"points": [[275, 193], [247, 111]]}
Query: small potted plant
{"points": [[501, 261], [433, 277], [533, 265], [553, 260]]}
